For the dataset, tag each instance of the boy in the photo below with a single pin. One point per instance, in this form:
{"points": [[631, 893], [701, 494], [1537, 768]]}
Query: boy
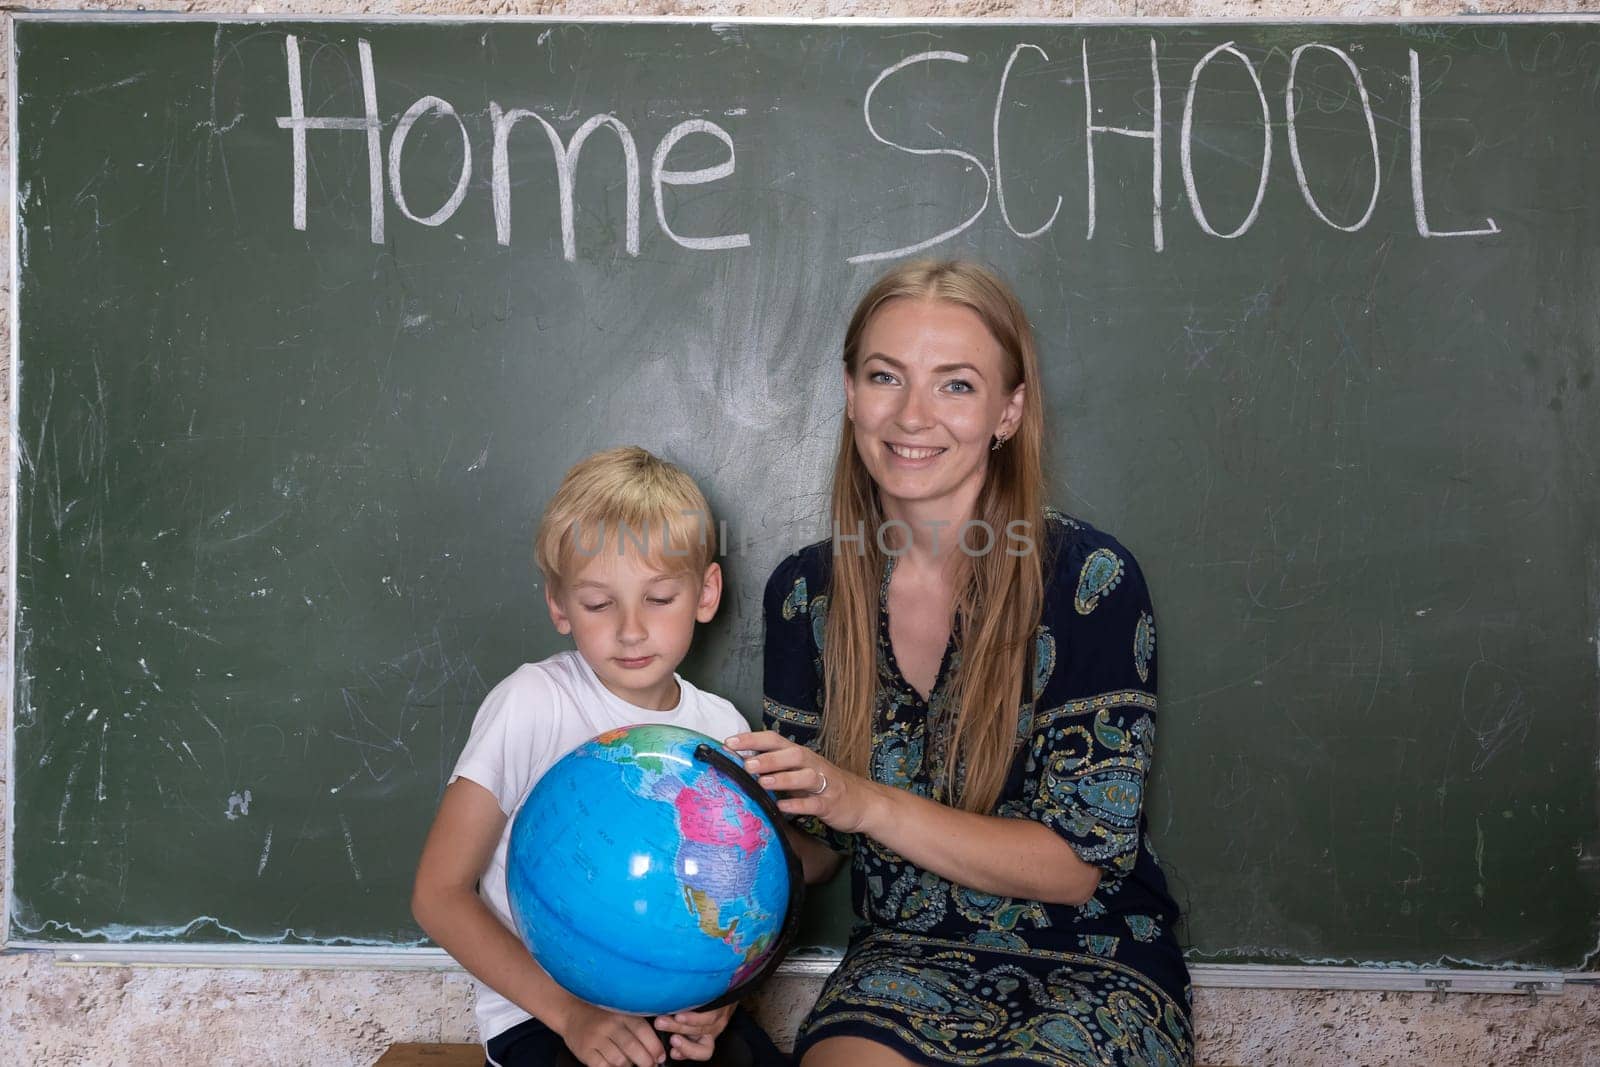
{"points": [[631, 614]]}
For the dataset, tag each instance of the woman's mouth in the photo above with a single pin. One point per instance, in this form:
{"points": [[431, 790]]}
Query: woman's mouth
{"points": [[912, 453]]}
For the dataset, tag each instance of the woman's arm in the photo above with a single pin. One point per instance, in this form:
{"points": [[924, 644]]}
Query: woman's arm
{"points": [[1006, 857]]}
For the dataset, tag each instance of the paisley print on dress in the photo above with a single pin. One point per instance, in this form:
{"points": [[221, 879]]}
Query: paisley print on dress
{"points": [[1099, 944], [819, 622], [905, 990], [796, 602], [1144, 645], [1142, 927], [897, 760], [951, 1004], [1062, 518], [1044, 660], [1113, 794], [1101, 573], [808, 720]]}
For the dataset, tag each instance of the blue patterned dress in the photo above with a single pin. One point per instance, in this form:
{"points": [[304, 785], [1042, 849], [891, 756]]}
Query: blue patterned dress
{"points": [[944, 974]]}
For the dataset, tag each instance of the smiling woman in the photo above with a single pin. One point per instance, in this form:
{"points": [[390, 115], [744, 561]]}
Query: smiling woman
{"points": [[971, 720]]}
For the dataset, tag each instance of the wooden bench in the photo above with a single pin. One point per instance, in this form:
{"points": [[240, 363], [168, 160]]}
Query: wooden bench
{"points": [[435, 1055]]}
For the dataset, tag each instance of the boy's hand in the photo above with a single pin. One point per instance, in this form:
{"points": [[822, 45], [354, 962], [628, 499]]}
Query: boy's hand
{"points": [[601, 1038], [694, 1033]]}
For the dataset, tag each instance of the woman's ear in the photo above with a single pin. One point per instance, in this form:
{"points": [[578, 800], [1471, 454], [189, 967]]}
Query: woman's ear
{"points": [[849, 395], [1011, 418]]}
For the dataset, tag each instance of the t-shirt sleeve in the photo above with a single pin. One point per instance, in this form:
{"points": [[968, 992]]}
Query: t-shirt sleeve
{"points": [[1089, 757], [513, 738], [792, 670]]}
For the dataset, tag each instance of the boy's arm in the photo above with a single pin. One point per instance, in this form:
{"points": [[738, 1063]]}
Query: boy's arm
{"points": [[446, 903], [817, 860]]}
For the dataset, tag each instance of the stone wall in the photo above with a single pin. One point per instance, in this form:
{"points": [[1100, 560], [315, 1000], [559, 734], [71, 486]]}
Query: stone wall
{"points": [[54, 1013]]}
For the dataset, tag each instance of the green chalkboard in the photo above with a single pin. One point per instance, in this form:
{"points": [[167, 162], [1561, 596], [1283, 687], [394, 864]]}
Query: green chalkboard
{"points": [[293, 383]]}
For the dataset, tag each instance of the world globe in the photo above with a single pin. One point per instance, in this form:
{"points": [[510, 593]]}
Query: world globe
{"points": [[648, 873]]}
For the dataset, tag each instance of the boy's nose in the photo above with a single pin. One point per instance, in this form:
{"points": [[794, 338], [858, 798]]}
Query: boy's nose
{"points": [[630, 628]]}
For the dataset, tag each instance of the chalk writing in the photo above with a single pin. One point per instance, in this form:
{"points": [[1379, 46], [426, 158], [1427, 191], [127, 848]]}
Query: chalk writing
{"points": [[385, 182]]}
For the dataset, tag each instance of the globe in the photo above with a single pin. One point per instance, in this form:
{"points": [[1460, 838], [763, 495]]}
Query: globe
{"points": [[648, 873]]}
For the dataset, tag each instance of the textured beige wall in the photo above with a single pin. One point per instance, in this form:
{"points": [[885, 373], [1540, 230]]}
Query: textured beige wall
{"points": [[51, 1013]]}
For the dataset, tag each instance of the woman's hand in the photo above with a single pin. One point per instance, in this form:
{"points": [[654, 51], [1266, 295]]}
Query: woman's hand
{"points": [[694, 1033], [814, 786]]}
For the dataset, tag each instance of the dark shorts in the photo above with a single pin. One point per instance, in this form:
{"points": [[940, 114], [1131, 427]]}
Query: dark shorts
{"points": [[533, 1044]]}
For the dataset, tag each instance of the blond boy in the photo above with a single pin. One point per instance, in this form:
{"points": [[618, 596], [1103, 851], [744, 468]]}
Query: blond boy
{"points": [[626, 551]]}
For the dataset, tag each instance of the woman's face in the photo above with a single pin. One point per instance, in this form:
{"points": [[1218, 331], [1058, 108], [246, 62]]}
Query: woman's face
{"points": [[927, 397]]}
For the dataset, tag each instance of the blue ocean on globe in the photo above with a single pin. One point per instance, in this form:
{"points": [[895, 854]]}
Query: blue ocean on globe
{"points": [[644, 879]]}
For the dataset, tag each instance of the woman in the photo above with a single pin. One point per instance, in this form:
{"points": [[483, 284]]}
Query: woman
{"points": [[990, 677]]}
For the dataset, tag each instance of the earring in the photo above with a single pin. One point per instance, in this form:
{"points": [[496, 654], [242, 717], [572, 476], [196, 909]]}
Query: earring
{"points": [[998, 441]]}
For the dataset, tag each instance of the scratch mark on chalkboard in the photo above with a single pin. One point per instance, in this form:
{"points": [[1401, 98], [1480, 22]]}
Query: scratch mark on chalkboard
{"points": [[1504, 692], [1180, 701], [106, 87], [266, 850], [100, 786], [66, 801], [1378, 676], [350, 847], [187, 629], [1477, 855], [1201, 343], [252, 532], [214, 143]]}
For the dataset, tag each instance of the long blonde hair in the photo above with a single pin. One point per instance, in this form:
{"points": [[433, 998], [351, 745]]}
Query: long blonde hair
{"points": [[1000, 596]]}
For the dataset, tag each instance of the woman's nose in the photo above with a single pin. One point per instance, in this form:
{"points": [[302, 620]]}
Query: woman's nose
{"points": [[913, 414]]}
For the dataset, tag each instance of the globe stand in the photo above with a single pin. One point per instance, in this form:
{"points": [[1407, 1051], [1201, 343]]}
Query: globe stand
{"points": [[797, 880]]}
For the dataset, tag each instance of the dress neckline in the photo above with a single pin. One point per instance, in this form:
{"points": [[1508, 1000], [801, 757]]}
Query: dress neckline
{"points": [[886, 642]]}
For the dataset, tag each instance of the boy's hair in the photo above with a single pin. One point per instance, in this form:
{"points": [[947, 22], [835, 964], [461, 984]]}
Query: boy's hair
{"points": [[619, 500]]}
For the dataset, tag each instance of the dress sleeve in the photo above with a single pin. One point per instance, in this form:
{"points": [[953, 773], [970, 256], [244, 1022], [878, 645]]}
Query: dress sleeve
{"points": [[792, 671], [1089, 756]]}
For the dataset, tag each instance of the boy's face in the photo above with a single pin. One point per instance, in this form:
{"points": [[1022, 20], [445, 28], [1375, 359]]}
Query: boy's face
{"points": [[632, 620]]}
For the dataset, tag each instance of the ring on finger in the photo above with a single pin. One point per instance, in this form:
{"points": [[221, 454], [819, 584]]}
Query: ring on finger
{"points": [[822, 784]]}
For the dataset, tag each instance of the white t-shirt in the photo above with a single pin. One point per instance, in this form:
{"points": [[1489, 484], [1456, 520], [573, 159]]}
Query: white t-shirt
{"points": [[528, 722]]}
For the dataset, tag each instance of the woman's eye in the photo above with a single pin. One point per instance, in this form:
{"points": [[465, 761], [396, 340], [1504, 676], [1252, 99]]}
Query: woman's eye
{"points": [[880, 377], [960, 386]]}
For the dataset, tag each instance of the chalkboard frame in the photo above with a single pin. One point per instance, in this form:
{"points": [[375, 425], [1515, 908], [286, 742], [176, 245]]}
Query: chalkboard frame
{"points": [[1404, 977]]}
